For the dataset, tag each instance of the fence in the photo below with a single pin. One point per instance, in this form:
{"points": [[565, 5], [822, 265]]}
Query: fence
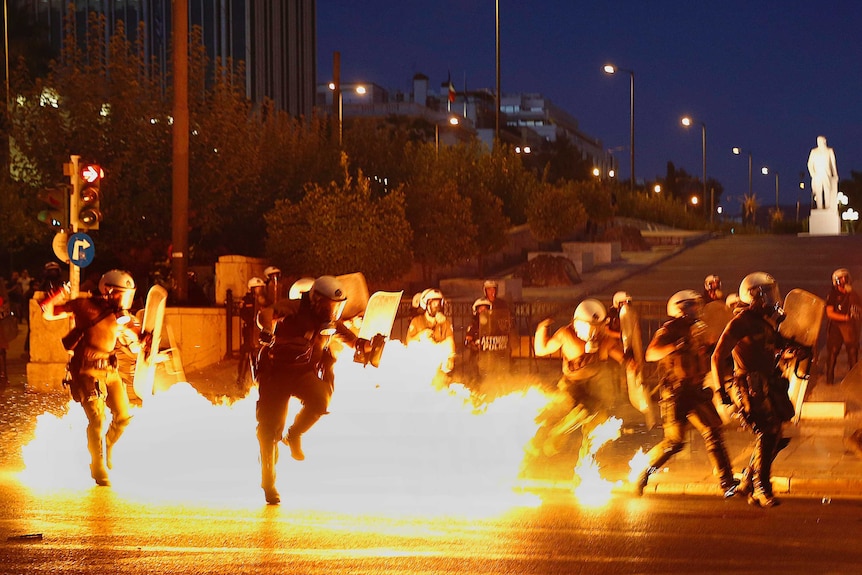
{"points": [[525, 315]]}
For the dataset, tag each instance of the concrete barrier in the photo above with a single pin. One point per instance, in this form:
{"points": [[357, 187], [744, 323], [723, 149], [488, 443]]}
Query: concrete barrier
{"points": [[603, 252]]}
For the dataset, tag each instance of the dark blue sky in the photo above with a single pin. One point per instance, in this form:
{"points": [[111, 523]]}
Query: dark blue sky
{"points": [[768, 76]]}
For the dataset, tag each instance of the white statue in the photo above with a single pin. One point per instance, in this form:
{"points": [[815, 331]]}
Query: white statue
{"points": [[824, 175]]}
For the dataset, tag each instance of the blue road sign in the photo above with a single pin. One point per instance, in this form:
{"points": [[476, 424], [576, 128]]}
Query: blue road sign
{"points": [[81, 249]]}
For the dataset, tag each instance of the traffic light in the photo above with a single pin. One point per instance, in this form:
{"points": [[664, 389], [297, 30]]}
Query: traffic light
{"points": [[55, 209], [88, 197]]}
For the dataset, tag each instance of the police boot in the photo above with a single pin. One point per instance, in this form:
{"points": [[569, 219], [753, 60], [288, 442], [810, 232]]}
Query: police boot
{"points": [[268, 459], [745, 486], [643, 479], [97, 466], [115, 430], [303, 422], [761, 465], [831, 360], [721, 462]]}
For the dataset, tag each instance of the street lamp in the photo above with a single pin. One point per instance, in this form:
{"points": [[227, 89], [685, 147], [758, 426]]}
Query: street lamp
{"points": [[453, 121], [687, 121], [611, 69], [765, 171], [738, 151]]}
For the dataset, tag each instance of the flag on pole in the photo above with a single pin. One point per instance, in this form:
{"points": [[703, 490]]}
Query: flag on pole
{"points": [[451, 89]]}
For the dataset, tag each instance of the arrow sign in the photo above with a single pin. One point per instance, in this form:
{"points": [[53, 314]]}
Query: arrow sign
{"points": [[81, 249]]}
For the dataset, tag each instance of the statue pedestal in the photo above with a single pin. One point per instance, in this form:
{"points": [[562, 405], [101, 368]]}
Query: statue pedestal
{"points": [[824, 223]]}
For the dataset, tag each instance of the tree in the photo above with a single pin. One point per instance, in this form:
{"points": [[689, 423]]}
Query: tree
{"points": [[341, 228], [444, 232], [749, 208], [555, 211]]}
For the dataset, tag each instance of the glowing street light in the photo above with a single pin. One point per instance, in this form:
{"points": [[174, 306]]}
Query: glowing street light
{"points": [[687, 122], [611, 69], [657, 188], [453, 121]]}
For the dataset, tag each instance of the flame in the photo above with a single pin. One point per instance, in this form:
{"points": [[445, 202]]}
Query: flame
{"points": [[637, 464], [390, 443], [591, 489]]}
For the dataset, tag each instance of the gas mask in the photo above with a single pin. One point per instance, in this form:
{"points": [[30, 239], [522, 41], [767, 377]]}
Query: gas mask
{"points": [[589, 333]]}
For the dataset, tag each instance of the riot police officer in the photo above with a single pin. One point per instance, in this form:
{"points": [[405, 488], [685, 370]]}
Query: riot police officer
{"points": [[297, 362], [103, 324], [756, 386], [681, 347], [586, 386], [844, 311], [712, 289]]}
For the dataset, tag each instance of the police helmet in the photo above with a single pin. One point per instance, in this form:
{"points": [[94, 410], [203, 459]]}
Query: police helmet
{"points": [[590, 311], [480, 302], [271, 271], [841, 277], [759, 289], [428, 295], [685, 303], [118, 282], [712, 282], [621, 297], [299, 287], [255, 282]]}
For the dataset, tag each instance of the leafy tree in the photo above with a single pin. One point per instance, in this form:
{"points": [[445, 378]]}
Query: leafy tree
{"points": [[341, 228], [749, 208], [444, 232], [555, 211]]}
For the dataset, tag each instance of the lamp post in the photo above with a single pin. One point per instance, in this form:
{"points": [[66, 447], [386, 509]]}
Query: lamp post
{"points": [[611, 69], [453, 121], [738, 151], [765, 171], [687, 121], [498, 103]]}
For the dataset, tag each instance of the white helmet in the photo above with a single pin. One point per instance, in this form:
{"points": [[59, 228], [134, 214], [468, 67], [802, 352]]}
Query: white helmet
{"points": [[589, 321], [621, 297], [732, 300], [428, 295], [490, 284], [685, 303], [712, 282], [416, 302], [271, 271], [118, 282], [841, 277], [327, 297], [255, 282], [299, 287], [480, 302], [760, 289]]}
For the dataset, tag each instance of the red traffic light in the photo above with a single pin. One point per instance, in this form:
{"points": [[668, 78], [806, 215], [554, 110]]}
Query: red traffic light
{"points": [[92, 173]]}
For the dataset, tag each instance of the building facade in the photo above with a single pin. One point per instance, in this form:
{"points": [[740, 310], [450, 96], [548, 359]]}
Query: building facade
{"points": [[276, 39]]}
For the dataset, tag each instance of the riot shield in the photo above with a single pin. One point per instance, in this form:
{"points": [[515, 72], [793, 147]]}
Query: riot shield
{"points": [[804, 315]]}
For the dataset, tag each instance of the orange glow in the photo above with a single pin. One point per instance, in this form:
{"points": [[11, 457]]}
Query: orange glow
{"points": [[391, 443], [591, 489]]}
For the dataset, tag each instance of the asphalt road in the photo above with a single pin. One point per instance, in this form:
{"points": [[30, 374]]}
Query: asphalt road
{"points": [[95, 531], [805, 262]]}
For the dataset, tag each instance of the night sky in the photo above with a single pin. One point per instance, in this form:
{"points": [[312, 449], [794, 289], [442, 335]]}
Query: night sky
{"points": [[767, 76]]}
